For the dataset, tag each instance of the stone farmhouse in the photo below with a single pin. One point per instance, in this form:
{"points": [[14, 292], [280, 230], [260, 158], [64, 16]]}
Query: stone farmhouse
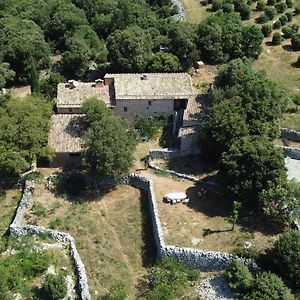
{"points": [[127, 95]]}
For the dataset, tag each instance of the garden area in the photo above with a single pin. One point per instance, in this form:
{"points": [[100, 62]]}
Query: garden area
{"points": [[112, 232]]}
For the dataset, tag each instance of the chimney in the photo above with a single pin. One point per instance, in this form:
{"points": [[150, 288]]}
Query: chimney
{"points": [[72, 84], [99, 83]]}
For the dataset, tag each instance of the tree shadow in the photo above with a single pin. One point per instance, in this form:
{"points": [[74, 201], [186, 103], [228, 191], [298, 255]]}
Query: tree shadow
{"points": [[149, 252], [193, 164], [207, 231], [295, 65], [77, 126], [268, 43], [287, 48]]}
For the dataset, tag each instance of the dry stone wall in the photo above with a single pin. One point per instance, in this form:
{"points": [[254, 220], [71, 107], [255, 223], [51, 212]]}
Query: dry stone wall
{"points": [[290, 134], [17, 229], [293, 153]]}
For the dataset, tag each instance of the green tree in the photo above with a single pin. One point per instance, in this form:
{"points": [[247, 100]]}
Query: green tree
{"points": [[266, 30], [268, 286], [281, 7], [49, 85], [236, 207], [6, 74], [261, 5], [245, 11], [277, 38], [270, 12], [251, 166], [108, 147], [286, 252], [95, 110], [24, 127], [295, 41], [129, 49], [21, 40], [34, 77], [296, 100], [164, 62]]}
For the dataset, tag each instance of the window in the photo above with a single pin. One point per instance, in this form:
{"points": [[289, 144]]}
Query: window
{"points": [[70, 110], [125, 109], [78, 154], [149, 103]]}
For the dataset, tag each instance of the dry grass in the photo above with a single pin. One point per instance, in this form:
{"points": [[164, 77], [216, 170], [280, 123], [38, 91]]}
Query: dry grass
{"points": [[195, 12], [184, 225], [291, 144], [111, 233]]}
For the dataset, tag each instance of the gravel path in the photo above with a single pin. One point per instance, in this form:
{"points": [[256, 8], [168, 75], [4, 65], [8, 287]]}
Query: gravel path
{"points": [[215, 288]]}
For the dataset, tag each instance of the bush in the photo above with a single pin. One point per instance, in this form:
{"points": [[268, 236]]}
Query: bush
{"points": [[261, 5], [289, 3], [270, 12], [248, 253], [277, 24], [239, 277], [39, 210], [72, 184], [283, 20], [295, 41], [262, 19], [266, 30], [169, 279], [227, 8], [271, 2], [289, 16], [148, 127], [277, 38], [216, 5], [55, 287], [297, 10], [286, 252], [245, 11], [281, 7], [268, 286], [289, 31]]}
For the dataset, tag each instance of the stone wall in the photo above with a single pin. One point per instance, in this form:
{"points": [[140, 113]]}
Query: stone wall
{"points": [[293, 153], [17, 229], [290, 134], [165, 153], [181, 12]]}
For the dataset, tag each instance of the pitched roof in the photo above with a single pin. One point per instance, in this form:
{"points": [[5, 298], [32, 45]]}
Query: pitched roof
{"points": [[151, 85]]}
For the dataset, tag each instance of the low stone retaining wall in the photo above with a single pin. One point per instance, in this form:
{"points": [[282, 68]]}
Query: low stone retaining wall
{"points": [[290, 134], [17, 229], [165, 153], [293, 153]]}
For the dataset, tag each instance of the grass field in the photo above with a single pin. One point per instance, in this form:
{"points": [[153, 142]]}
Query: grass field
{"points": [[112, 234], [195, 12]]}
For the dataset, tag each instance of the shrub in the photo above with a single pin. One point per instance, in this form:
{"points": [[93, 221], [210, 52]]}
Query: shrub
{"points": [[262, 19], [289, 3], [227, 8], [72, 184], [286, 252], [270, 12], [55, 287], [281, 7], [277, 24], [271, 2], [289, 16], [216, 5], [245, 11], [248, 253], [169, 279], [297, 10], [266, 30], [277, 38], [239, 277], [149, 126], [261, 5], [289, 31], [295, 41], [268, 286], [283, 20]]}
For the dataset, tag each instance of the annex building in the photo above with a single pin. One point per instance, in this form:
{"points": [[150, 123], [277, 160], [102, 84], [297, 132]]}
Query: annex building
{"points": [[127, 95]]}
